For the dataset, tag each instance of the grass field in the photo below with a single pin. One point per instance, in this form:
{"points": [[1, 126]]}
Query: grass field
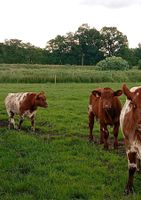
{"points": [[57, 162], [24, 73]]}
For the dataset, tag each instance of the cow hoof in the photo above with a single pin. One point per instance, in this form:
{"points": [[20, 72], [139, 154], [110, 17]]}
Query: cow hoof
{"points": [[115, 146], [101, 142], [33, 130], [129, 190], [91, 139], [106, 147]]}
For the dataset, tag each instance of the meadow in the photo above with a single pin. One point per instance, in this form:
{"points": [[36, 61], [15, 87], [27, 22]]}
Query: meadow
{"points": [[24, 73], [57, 162]]}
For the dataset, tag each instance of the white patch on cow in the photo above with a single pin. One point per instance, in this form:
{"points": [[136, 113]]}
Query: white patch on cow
{"points": [[135, 147], [104, 130], [90, 109], [126, 108], [12, 121], [133, 89], [132, 165], [13, 101]]}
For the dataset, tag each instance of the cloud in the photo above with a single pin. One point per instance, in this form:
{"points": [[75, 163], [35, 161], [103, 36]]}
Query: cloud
{"points": [[111, 3]]}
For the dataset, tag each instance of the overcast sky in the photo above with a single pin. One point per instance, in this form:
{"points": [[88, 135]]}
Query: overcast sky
{"points": [[38, 21]]}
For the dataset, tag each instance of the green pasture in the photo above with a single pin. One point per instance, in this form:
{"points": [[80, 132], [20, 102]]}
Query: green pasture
{"points": [[58, 162]]}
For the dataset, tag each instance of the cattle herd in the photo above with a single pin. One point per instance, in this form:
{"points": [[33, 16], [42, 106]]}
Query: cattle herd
{"points": [[104, 106]]}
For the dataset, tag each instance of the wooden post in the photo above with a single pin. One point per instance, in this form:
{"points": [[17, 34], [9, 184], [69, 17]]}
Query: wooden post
{"points": [[55, 79]]}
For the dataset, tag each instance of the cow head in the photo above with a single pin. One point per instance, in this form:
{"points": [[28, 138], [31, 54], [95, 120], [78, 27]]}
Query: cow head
{"points": [[40, 100], [134, 96], [107, 96]]}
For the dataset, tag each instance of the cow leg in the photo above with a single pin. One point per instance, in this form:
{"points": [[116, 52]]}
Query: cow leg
{"points": [[132, 166], [11, 120], [101, 135], [20, 122], [32, 123], [104, 135], [138, 165], [91, 124], [115, 131]]}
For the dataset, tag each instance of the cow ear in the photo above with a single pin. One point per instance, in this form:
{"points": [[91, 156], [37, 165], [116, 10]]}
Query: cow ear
{"points": [[37, 96], [96, 93], [40, 93], [118, 93], [127, 92]]}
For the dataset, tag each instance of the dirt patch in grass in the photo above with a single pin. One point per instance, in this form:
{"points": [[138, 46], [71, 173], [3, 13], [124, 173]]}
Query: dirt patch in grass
{"points": [[3, 123]]}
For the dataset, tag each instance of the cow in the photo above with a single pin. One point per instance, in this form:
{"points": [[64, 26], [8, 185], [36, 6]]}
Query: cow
{"points": [[25, 105], [105, 106], [130, 123]]}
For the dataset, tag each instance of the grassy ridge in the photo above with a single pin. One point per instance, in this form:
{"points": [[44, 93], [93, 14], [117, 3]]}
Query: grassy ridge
{"points": [[20, 73], [57, 162]]}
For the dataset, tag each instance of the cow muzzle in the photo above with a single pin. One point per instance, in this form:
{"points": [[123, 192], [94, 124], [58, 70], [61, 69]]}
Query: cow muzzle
{"points": [[107, 107]]}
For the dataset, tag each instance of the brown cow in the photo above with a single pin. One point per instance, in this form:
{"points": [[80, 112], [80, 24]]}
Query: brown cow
{"points": [[105, 106], [130, 122], [24, 104]]}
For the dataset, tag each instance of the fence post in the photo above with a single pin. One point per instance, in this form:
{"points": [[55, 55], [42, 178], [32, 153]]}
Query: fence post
{"points": [[55, 79]]}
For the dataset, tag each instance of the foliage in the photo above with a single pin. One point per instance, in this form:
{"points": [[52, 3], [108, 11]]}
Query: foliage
{"points": [[139, 64], [113, 63], [113, 41], [128, 55], [86, 46]]}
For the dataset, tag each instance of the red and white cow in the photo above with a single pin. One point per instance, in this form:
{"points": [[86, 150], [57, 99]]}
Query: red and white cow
{"points": [[105, 106], [24, 105], [130, 122]]}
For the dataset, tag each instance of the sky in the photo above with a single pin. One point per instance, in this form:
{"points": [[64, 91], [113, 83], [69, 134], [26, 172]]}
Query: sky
{"points": [[38, 21]]}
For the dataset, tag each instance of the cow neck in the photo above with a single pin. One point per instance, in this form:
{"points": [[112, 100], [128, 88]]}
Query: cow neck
{"points": [[33, 105]]}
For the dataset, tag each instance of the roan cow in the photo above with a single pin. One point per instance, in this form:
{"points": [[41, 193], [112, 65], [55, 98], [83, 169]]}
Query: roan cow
{"points": [[130, 122], [24, 105], [105, 106]]}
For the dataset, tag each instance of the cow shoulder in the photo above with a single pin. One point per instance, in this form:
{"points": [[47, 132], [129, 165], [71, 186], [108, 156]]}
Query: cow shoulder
{"points": [[28, 102]]}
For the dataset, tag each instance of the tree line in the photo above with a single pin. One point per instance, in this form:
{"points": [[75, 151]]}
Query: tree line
{"points": [[86, 46]]}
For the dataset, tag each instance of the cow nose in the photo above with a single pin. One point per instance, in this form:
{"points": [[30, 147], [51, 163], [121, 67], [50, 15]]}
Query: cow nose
{"points": [[107, 106]]}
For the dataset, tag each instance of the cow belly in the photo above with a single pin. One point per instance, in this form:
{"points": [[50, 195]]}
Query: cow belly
{"points": [[29, 114]]}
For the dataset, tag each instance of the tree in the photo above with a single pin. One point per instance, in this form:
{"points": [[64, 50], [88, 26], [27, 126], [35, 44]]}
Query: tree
{"points": [[89, 42], [113, 41], [58, 47]]}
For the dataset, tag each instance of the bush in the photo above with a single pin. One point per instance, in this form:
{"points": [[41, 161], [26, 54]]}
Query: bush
{"points": [[113, 63]]}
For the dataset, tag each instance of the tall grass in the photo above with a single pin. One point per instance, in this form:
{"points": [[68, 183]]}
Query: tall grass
{"points": [[63, 74]]}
